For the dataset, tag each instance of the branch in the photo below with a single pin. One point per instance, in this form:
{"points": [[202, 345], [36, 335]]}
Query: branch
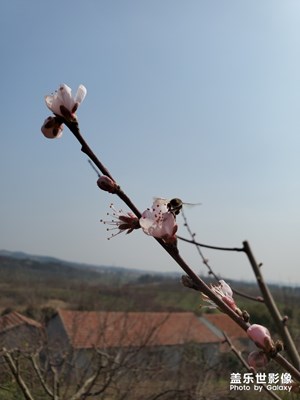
{"points": [[273, 309], [205, 261], [207, 246], [246, 365], [86, 387], [267, 296], [85, 148], [167, 391], [39, 374], [14, 370], [173, 250], [55, 383]]}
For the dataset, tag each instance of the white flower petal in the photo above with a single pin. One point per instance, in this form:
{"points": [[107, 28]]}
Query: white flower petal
{"points": [[226, 289], [80, 95], [146, 221], [65, 97]]}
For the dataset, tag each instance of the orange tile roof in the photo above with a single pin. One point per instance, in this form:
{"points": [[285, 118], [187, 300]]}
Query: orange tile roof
{"points": [[226, 324], [14, 319], [86, 329]]}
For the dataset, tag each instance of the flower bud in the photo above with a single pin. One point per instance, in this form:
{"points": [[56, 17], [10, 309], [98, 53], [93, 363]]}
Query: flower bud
{"points": [[52, 128], [257, 359], [261, 337], [107, 184]]}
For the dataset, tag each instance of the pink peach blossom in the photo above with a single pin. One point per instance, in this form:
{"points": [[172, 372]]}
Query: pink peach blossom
{"points": [[224, 292], [159, 222]]}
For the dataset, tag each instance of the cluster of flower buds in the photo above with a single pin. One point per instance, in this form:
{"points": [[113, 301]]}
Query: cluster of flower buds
{"points": [[262, 338]]}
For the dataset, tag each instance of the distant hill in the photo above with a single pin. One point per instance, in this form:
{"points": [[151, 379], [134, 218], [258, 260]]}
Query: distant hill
{"points": [[25, 265], [36, 284]]}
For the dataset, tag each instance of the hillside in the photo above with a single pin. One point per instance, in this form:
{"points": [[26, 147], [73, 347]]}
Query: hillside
{"points": [[36, 285]]}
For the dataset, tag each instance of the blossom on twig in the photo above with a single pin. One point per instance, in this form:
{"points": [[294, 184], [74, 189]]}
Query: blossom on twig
{"points": [[121, 221], [62, 103], [159, 222], [52, 128], [224, 292]]}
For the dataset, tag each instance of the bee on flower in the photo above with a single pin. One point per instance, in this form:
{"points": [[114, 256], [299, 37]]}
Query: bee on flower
{"points": [[159, 222]]}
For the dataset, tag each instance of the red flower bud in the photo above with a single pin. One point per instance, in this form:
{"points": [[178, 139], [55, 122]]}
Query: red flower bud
{"points": [[107, 184]]}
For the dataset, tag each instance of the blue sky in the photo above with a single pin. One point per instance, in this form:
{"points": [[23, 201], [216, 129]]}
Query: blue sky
{"points": [[192, 99]]}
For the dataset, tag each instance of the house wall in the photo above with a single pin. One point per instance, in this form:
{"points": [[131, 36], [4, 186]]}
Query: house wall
{"points": [[22, 337], [57, 339]]}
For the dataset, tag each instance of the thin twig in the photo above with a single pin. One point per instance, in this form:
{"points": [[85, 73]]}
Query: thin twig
{"points": [[207, 246], [205, 261]]}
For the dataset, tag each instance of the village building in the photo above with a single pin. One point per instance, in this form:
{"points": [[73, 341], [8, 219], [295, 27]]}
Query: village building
{"points": [[18, 332], [152, 337], [123, 351]]}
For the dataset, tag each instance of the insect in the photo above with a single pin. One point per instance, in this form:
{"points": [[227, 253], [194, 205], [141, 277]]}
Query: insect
{"points": [[175, 205]]}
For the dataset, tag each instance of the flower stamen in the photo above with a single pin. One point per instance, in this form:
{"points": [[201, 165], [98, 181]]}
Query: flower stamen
{"points": [[123, 222]]}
